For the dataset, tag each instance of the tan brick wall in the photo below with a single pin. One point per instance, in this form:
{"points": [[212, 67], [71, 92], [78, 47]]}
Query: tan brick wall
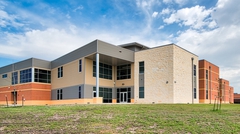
{"points": [[183, 91], [167, 76], [158, 75]]}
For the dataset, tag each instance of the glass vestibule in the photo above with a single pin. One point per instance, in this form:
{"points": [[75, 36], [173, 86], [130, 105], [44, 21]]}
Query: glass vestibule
{"points": [[124, 95]]}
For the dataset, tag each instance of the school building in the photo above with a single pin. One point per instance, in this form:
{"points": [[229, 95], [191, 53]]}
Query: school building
{"points": [[211, 87], [100, 72]]}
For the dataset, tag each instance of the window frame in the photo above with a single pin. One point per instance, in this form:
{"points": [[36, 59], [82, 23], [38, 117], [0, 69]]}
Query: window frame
{"points": [[14, 78], [79, 92], [26, 75], [141, 67], [59, 94], [39, 75], [141, 93], [80, 65], [60, 72], [124, 72], [105, 70], [4, 76]]}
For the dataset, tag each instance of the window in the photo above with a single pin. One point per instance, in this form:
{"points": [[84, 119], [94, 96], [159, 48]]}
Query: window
{"points": [[206, 84], [59, 94], [94, 92], [4, 76], [106, 93], [43, 76], [195, 93], [194, 70], [26, 76], [80, 92], [105, 71], [14, 78], [141, 92], [60, 72], [141, 67], [80, 66], [124, 72], [194, 81]]}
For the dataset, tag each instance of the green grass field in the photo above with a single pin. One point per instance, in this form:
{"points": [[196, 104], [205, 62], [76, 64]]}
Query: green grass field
{"points": [[118, 118]]}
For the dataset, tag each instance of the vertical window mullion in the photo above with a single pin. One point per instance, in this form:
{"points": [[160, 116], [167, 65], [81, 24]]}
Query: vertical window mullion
{"points": [[80, 92], [80, 66]]}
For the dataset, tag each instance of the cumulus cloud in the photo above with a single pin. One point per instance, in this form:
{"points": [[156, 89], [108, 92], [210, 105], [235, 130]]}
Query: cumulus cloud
{"points": [[161, 27], [166, 11], [179, 2], [227, 12], [8, 20], [194, 17], [78, 8], [146, 7], [154, 15], [218, 45]]}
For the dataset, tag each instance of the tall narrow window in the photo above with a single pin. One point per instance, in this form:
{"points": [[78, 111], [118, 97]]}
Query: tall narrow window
{"points": [[141, 67], [60, 72], [80, 65], [14, 78], [94, 92], [206, 84], [195, 81], [195, 93], [80, 92], [59, 94], [141, 92]]}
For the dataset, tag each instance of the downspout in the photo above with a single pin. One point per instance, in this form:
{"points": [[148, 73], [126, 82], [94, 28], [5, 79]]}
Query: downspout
{"points": [[210, 78], [192, 82]]}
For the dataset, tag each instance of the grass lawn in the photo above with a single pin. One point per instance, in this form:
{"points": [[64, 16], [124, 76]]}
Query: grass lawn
{"points": [[118, 118]]}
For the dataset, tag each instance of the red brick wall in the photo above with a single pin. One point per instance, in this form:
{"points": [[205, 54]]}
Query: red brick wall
{"points": [[213, 77], [30, 91]]}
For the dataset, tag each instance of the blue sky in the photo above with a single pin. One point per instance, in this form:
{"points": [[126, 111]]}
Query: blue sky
{"points": [[47, 29]]}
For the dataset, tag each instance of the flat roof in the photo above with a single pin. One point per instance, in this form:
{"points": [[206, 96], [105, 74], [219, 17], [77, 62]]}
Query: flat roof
{"points": [[134, 44]]}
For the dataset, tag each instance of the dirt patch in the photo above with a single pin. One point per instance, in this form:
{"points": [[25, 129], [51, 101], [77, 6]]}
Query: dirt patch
{"points": [[2, 128]]}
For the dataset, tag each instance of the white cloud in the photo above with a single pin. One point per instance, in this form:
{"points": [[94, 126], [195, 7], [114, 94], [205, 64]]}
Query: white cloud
{"points": [[167, 1], [154, 15], [227, 12], [194, 17], [166, 11], [78, 8], [146, 7], [221, 3], [68, 16], [179, 2], [161, 27], [212, 24], [8, 20]]}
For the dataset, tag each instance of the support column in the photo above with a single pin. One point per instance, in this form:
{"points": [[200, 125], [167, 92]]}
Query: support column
{"points": [[33, 74], [97, 75]]}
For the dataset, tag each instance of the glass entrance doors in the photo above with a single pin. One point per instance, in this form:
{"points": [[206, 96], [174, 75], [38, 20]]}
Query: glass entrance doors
{"points": [[123, 97]]}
